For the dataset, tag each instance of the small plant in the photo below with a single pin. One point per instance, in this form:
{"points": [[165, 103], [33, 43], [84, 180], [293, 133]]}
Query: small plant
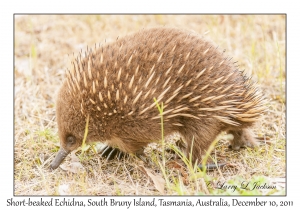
{"points": [[163, 165], [85, 147], [194, 171]]}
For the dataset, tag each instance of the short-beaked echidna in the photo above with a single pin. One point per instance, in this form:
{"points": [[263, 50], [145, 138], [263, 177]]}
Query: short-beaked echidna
{"points": [[202, 91]]}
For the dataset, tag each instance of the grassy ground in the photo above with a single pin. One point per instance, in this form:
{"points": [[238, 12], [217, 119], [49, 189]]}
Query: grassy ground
{"points": [[42, 44]]}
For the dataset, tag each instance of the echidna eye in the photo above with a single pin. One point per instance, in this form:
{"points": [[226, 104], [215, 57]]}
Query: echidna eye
{"points": [[71, 139]]}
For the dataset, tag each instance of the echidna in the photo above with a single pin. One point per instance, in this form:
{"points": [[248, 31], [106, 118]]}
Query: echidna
{"points": [[202, 91]]}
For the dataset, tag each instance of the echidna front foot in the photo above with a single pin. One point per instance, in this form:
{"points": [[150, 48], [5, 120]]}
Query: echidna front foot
{"points": [[110, 153], [242, 138]]}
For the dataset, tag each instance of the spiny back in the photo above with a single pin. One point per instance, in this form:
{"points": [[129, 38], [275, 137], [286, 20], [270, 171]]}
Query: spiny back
{"points": [[118, 82]]}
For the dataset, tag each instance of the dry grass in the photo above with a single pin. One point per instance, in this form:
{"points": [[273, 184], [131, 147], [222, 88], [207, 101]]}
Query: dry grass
{"points": [[42, 44]]}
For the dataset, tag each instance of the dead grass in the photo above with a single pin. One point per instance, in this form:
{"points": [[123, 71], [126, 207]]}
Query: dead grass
{"points": [[42, 44]]}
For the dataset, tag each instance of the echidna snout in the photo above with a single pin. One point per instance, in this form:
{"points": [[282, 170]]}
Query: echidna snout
{"points": [[202, 91]]}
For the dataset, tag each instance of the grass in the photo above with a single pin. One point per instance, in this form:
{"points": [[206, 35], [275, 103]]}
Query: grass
{"points": [[83, 146], [42, 45]]}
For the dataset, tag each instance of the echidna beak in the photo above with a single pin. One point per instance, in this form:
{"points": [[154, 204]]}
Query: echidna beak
{"points": [[59, 158]]}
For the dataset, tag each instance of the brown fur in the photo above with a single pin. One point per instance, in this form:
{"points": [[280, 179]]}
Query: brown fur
{"points": [[203, 93]]}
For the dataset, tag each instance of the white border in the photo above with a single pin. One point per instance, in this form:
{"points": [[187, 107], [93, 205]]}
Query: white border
{"points": [[153, 6]]}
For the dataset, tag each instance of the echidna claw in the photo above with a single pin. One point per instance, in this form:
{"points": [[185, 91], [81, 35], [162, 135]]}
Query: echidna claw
{"points": [[105, 151], [120, 155], [235, 148], [142, 157], [110, 153], [212, 166]]}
